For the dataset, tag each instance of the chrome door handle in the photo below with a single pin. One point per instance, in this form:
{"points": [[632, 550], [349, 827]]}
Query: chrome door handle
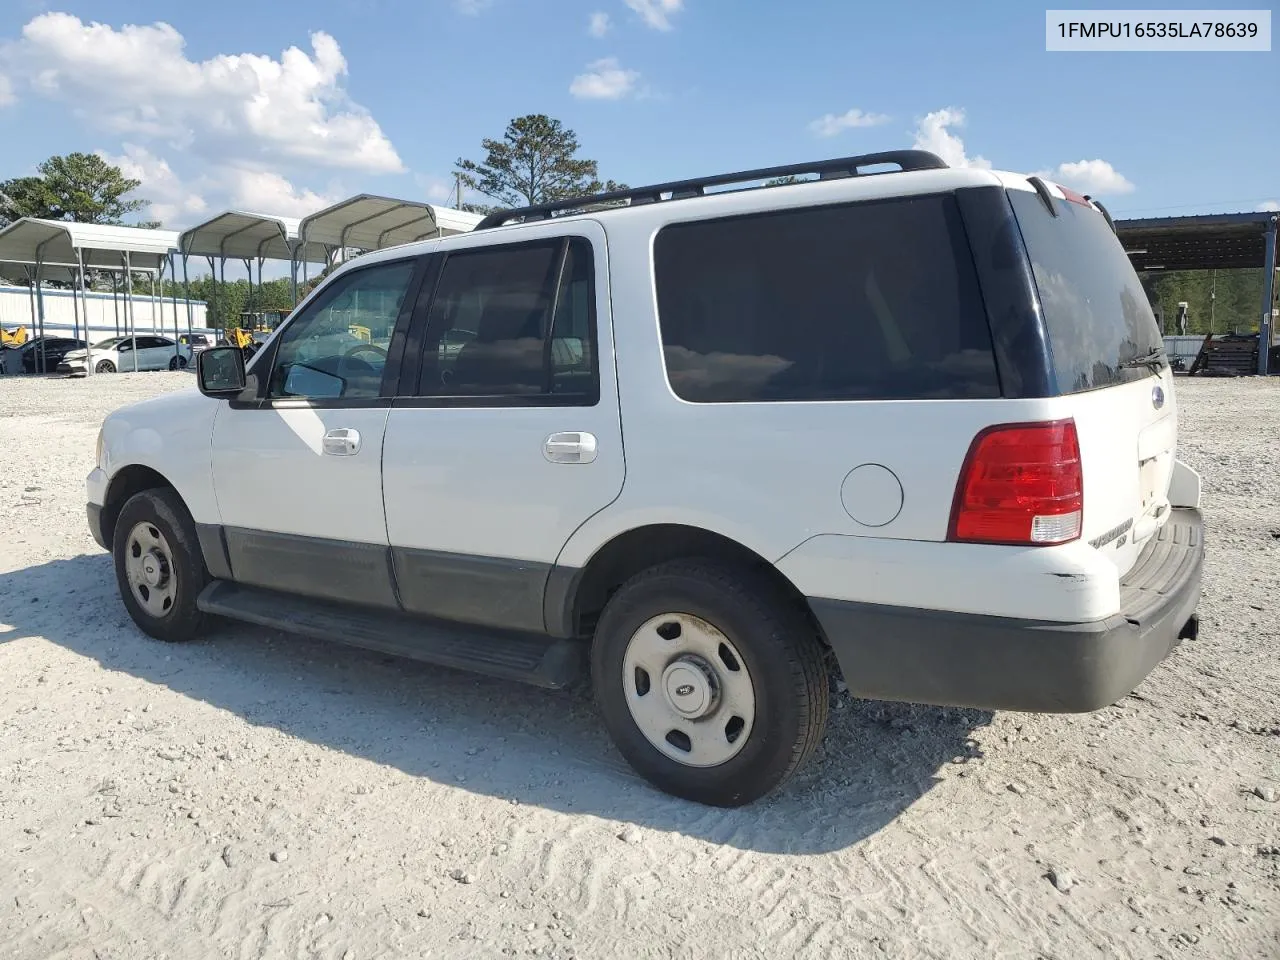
{"points": [[342, 442], [570, 447]]}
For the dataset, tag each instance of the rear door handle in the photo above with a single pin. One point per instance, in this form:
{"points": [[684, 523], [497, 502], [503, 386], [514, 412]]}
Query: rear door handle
{"points": [[572, 447], [342, 442]]}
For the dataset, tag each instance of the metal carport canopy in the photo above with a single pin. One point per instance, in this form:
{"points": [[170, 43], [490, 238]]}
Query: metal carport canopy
{"points": [[21, 273], [368, 222], [240, 235], [1222, 241], [31, 240]]}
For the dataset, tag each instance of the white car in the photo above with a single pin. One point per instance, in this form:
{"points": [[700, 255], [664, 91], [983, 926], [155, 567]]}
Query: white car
{"points": [[706, 448], [127, 354]]}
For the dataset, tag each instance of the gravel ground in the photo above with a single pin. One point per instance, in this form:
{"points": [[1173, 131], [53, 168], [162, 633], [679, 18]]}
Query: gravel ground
{"points": [[256, 795]]}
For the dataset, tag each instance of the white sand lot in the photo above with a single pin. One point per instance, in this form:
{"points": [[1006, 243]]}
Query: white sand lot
{"points": [[256, 795]]}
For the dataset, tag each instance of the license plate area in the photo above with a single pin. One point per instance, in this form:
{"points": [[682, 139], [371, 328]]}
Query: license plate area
{"points": [[1150, 474]]}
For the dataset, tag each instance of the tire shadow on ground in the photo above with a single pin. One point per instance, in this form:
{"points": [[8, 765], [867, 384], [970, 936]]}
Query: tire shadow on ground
{"points": [[487, 736]]}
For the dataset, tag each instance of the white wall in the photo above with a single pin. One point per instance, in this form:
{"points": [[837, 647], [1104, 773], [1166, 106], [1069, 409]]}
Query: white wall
{"points": [[149, 316]]}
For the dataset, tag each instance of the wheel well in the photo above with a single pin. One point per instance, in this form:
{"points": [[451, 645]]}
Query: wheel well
{"points": [[130, 480], [629, 553]]}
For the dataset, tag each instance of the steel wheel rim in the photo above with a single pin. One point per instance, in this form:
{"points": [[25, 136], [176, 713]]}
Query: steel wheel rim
{"points": [[149, 568], [688, 690]]}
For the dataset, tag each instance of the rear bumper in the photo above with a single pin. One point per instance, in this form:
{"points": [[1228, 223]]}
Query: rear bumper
{"points": [[1000, 663]]}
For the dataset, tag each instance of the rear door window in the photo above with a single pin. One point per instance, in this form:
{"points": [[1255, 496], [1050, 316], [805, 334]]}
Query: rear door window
{"points": [[1097, 315], [515, 323], [875, 300]]}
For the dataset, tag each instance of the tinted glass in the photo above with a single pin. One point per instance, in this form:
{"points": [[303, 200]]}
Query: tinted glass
{"points": [[875, 300], [1097, 314], [491, 332], [337, 347]]}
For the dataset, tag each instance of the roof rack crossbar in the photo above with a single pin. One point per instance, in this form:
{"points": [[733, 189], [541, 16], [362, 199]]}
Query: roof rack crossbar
{"points": [[906, 160], [1043, 192], [1106, 214]]}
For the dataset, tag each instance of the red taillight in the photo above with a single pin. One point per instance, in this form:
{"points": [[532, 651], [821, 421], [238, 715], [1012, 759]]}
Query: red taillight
{"points": [[1021, 484]]}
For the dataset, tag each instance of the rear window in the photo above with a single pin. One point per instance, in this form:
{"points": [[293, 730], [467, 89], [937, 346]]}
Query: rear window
{"points": [[1095, 310], [876, 300]]}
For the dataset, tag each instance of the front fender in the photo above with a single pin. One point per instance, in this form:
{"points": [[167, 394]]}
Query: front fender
{"points": [[171, 435]]}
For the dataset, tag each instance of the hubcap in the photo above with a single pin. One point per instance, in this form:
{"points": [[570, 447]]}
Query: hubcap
{"points": [[688, 690], [690, 686], [148, 566]]}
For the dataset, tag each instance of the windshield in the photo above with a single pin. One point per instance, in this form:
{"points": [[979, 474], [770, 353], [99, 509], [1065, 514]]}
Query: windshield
{"points": [[108, 344], [1097, 314]]}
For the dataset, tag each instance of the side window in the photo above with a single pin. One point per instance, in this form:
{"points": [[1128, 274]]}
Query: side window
{"points": [[338, 347], [874, 300], [515, 321]]}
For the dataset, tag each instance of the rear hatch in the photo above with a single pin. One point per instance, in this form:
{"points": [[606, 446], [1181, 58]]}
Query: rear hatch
{"points": [[1111, 370]]}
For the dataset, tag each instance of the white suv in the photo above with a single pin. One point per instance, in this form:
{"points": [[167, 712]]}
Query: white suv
{"points": [[708, 446]]}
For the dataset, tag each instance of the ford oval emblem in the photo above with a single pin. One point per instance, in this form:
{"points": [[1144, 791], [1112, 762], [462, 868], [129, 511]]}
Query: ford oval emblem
{"points": [[1157, 396]]}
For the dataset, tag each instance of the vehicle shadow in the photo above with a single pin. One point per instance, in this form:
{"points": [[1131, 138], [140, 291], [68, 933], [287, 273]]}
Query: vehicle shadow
{"points": [[488, 736]]}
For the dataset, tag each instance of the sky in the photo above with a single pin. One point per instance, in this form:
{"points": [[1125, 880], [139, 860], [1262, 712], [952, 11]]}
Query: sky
{"points": [[283, 108]]}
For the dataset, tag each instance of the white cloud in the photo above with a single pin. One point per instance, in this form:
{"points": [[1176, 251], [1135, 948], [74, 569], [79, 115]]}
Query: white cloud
{"points": [[604, 80], [598, 25], [6, 91], [831, 124], [933, 133], [170, 201], [656, 13], [1269, 206], [138, 82], [262, 191], [435, 189], [472, 8], [1094, 177]]}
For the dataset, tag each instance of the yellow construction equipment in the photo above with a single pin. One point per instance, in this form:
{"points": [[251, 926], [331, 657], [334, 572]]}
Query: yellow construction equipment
{"points": [[13, 338]]}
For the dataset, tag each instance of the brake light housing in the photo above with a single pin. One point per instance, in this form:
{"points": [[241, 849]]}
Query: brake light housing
{"points": [[1022, 484]]}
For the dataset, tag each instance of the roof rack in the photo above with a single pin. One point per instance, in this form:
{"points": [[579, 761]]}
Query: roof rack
{"points": [[906, 160]]}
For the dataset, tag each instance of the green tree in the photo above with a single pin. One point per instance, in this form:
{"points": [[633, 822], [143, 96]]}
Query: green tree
{"points": [[80, 187], [791, 178], [1226, 299], [535, 162], [23, 197]]}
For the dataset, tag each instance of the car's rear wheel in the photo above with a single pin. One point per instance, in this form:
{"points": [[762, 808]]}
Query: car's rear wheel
{"points": [[105, 366], [712, 684], [159, 567]]}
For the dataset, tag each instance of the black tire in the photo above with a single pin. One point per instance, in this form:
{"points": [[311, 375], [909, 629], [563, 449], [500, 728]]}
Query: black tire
{"points": [[781, 651], [105, 366], [177, 363], [164, 510]]}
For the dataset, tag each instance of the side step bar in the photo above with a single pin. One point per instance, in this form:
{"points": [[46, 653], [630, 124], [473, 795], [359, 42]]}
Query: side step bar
{"points": [[527, 658]]}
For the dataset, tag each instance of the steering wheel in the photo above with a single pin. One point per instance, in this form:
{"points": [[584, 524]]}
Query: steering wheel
{"points": [[353, 366], [378, 352]]}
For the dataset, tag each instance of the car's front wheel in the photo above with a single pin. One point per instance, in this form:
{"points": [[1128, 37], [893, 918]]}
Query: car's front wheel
{"points": [[712, 684], [105, 366], [159, 567]]}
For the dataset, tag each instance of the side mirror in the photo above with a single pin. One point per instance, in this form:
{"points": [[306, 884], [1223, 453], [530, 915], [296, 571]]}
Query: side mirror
{"points": [[220, 372]]}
